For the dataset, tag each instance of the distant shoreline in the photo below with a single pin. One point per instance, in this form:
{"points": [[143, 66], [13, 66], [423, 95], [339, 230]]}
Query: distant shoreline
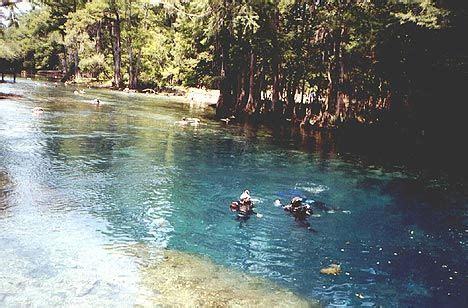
{"points": [[191, 94]]}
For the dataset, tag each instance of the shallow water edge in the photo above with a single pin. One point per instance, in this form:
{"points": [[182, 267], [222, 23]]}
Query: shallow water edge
{"points": [[188, 280]]}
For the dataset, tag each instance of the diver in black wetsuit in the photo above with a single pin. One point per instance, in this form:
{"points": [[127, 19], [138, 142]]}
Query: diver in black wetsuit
{"points": [[299, 210]]}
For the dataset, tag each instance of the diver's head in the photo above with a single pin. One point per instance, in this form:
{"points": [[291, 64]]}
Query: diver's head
{"points": [[245, 195], [296, 201]]}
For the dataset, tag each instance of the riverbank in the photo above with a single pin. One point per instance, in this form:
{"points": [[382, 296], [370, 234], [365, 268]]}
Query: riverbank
{"points": [[190, 94], [304, 114]]}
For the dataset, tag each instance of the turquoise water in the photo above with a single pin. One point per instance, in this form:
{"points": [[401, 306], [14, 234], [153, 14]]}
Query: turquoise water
{"points": [[85, 178]]}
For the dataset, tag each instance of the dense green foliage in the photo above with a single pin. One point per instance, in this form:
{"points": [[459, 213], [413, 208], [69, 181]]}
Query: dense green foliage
{"points": [[317, 62]]}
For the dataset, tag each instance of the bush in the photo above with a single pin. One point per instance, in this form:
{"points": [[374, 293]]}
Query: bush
{"points": [[94, 65]]}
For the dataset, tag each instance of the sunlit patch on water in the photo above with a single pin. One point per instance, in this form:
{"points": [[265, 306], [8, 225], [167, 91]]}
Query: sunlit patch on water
{"points": [[57, 260], [312, 188], [257, 200], [182, 279]]}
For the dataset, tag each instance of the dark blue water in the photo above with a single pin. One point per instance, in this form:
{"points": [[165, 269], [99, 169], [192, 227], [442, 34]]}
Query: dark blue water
{"points": [[400, 238]]}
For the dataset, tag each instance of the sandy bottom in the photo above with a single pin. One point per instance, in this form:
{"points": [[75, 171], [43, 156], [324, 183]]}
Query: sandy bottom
{"points": [[186, 280]]}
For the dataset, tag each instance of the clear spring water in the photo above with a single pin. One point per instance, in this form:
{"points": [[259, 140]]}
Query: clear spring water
{"points": [[80, 181]]}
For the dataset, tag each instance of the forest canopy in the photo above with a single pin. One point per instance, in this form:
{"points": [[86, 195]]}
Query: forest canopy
{"points": [[318, 62]]}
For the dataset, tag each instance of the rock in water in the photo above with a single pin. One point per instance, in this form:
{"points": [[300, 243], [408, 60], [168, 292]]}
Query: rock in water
{"points": [[333, 269]]}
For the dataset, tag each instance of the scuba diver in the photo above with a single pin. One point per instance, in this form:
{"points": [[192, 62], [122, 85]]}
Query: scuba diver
{"points": [[314, 205], [299, 210], [244, 207]]}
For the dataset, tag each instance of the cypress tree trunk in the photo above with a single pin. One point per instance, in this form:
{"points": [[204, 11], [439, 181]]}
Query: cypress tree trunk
{"points": [[275, 60], [276, 84], [339, 109], [333, 74], [251, 102], [99, 37], [132, 71], [224, 104], [329, 99], [132, 76], [261, 89], [116, 50], [290, 93], [76, 60], [64, 59], [132, 60], [235, 76], [243, 91], [136, 71]]}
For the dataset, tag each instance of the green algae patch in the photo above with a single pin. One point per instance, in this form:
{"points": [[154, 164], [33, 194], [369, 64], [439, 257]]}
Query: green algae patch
{"points": [[186, 280]]}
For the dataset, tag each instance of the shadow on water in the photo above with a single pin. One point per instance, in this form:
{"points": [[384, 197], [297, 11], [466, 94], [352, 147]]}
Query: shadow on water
{"points": [[443, 154]]}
